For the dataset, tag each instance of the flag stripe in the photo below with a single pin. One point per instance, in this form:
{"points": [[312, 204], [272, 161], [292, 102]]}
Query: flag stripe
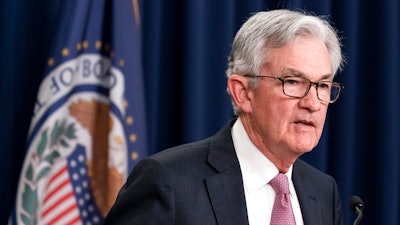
{"points": [[62, 192], [62, 214], [58, 203], [72, 217], [73, 221], [56, 190], [59, 210], [56, 175]]}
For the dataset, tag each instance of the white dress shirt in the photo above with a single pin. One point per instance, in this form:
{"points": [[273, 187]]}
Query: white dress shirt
{"points": [[258, 171]]}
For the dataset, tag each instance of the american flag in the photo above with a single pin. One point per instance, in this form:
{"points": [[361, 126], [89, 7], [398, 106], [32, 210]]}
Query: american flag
{"points": [[68, 198]]}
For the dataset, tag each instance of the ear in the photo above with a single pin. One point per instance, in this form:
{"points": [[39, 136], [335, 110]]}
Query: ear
{"points": [[240, 92]]}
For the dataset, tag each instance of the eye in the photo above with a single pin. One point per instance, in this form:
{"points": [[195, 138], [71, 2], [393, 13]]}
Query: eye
{"points": [[324, 85], [294, 81]]}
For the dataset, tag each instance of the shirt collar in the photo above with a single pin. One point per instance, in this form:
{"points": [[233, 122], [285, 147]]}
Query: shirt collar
{"points": [[257, 169]]}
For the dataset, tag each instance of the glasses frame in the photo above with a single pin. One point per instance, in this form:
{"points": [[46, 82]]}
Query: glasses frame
{"points": [[310, 83]]}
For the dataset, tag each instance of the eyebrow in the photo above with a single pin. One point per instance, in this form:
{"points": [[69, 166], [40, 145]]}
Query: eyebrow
{"points": [[301, 74]]}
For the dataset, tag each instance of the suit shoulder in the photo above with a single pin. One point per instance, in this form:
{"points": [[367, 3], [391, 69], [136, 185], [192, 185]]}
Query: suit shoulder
{"points": [[184, 152], [307, 171]]}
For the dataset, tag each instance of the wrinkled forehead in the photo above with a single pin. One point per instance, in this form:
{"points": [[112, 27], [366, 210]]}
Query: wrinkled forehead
{"points": [[306, 57]]}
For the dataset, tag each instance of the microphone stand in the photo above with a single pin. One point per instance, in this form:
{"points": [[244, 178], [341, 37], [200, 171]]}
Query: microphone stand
{"points": [[357, 206], [359, 212]]}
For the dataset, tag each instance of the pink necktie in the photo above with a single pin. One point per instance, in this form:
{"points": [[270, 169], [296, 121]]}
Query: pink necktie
{"points": [[282, 212]]}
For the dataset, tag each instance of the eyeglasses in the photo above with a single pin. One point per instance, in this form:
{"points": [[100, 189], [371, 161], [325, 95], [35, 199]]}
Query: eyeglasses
{"points": [[298, 87]]}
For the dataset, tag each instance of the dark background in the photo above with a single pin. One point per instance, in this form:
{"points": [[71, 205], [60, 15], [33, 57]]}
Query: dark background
{"points": [[185, 47]]}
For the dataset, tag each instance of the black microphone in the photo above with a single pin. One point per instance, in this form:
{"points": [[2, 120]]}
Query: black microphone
{"points": [[357, 206]]}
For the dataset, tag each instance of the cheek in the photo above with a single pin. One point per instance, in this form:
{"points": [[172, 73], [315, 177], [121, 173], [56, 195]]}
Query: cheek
{"points": [[274, 115], [265, 108], [269, 100], [322, 118], [272, 110]]}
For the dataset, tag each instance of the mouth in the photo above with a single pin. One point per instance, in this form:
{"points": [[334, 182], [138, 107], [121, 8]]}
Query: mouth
{"points": [[305, 122]]}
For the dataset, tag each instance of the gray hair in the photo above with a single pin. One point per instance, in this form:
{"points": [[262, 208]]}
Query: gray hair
{"points": [[274, 29]]}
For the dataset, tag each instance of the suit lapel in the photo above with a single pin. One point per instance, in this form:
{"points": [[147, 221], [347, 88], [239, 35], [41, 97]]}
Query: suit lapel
{"points": [[225, 188], [227, 197], [306, 194]]}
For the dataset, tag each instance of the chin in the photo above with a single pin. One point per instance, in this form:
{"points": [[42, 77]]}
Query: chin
{"points": [[306, 143], [304, 149]]}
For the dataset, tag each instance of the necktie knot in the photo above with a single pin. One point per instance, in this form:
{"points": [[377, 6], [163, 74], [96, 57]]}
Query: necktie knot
{"points": [[280, 184]]}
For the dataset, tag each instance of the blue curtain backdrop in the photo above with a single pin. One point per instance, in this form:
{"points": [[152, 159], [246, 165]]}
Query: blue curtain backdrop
{"points": [[185, 46]]}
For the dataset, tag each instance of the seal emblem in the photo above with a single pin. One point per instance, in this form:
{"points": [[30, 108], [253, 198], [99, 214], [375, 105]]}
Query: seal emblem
{"points": [[76, 161]]}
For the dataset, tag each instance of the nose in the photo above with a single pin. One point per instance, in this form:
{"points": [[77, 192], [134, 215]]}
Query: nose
{"points": [[311, 101]]}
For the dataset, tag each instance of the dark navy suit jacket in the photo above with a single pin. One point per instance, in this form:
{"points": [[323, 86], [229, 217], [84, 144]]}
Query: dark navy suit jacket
{"points": [[201, 184]]}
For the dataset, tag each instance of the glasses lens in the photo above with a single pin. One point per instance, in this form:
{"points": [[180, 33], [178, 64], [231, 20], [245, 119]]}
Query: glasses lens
{"points": [[295, 86], [325, 91], [328, 92], [335, 91]]}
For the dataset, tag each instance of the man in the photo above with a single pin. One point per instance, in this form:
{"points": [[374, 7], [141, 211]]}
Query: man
{"points": [[280, 74]]}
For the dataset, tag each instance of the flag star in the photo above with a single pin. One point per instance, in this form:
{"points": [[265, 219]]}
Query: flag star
{"points": [[87, 196], [73, 163], [129, 120], [79, 46], [96, 219], [85, 44], [134, 155], [75, 176], [65, 52], [84, 213], [98, 44], [81, 158], [121, 63], [82, 171], [132, 137], [78, 190], [50, 62], [81, 202], [85, 184]]}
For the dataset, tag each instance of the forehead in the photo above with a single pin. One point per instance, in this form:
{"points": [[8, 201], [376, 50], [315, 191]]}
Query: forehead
{"points": [[306, 56]]}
